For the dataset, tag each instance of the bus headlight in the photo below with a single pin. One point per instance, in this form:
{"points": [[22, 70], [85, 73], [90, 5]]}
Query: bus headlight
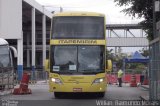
{"points": [[56, 80], [98, 80]]}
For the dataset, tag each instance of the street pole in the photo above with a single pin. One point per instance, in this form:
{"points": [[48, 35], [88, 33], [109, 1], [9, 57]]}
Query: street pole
{"points": [[153, 85]]}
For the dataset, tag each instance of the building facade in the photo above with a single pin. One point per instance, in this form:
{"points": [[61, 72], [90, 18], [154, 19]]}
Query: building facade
{"points": [[25, 24]]}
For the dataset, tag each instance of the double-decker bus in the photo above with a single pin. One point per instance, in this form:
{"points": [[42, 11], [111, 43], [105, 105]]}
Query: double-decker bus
{"points": [[6, 65], [77, 62]]}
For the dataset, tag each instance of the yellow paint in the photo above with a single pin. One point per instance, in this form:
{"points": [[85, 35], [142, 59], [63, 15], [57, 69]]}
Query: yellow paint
{"points": [[84, 82], [109, 65], [46, 65], [77, 42], [78, 14]]}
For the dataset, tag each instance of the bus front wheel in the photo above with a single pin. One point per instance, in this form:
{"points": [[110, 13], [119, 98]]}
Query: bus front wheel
{"points": [[57, 94], [101, 94]]}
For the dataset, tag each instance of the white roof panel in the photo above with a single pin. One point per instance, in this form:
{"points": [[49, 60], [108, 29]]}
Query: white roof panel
{"points": [[39, 7]]}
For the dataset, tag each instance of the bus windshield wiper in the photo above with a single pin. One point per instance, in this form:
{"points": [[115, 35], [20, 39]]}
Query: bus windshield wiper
{"points": [[64, 72], [90, 71]]}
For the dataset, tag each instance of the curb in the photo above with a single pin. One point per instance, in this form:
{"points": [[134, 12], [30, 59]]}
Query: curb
{"points": [[144, 97], [145, 87], [5, 93]]}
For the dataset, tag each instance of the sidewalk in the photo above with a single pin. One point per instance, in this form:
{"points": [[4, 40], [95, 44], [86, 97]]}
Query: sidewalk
{"points": [[42, 82], [7, 92], [146, 96], [145, 87]]}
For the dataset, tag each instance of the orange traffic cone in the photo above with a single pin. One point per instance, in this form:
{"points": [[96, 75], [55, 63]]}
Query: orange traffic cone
{"points": [[133, 81], [23, 88]]}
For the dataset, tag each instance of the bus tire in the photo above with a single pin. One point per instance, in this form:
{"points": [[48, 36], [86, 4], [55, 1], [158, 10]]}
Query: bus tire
{"points": [[57, 94], [101, 94]]}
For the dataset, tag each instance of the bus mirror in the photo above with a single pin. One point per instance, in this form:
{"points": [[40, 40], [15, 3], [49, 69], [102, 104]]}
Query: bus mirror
{"points": [[14, 51], [47, 65], [108, 65]]}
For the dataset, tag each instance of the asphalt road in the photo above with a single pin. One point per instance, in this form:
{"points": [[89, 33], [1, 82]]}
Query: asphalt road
{"points": [[41, 97]]}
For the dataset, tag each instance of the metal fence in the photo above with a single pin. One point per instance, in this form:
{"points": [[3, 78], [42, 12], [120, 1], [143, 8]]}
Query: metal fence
{"points": [[8, 79], [40, 75], [36, 75], [154, 71]]}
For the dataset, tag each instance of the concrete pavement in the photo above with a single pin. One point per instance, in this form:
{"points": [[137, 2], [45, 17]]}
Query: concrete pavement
{"points": [[41, 96]]}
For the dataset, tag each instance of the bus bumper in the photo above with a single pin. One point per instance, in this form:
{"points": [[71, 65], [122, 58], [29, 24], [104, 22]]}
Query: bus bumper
{"points": [[81, 87]]}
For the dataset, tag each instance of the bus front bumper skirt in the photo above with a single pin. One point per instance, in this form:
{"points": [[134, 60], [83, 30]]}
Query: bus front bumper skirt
{"points": [[81, 87]]}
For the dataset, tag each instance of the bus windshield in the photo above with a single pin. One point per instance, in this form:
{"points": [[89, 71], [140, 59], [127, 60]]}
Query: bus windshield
{"points": [[78, 27], [77, 59], [4, 56]]}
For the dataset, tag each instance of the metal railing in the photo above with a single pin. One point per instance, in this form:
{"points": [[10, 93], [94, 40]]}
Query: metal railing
{"points": [[35, 76], [155, 79]]}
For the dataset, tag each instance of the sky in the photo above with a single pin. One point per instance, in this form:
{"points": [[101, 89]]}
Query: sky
{"points": [[108, 7]]}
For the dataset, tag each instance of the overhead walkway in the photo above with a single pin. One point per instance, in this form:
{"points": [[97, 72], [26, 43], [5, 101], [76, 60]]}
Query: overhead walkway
{"points": [[126, 35]]}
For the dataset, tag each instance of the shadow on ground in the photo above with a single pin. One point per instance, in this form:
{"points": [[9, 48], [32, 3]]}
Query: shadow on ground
{"points": [[79, 96]]}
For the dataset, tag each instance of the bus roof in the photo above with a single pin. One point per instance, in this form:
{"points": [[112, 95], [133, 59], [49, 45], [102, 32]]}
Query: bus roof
{"points": [[3, 42], [79, 14]]}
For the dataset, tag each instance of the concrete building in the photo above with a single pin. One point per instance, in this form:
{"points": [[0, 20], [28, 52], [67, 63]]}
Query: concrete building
{"points": [[25, 24]]}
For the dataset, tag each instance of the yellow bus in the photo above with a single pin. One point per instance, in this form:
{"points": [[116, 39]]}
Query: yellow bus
{"points": [[77, 62]]}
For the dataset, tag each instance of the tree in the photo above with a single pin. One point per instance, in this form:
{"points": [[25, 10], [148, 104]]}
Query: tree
{"points": [[109, 54], [118, 59], [144, 52], [140, 9]]}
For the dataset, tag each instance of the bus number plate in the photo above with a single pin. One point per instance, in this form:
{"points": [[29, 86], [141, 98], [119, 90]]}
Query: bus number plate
{"points": [[77, 89]]}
